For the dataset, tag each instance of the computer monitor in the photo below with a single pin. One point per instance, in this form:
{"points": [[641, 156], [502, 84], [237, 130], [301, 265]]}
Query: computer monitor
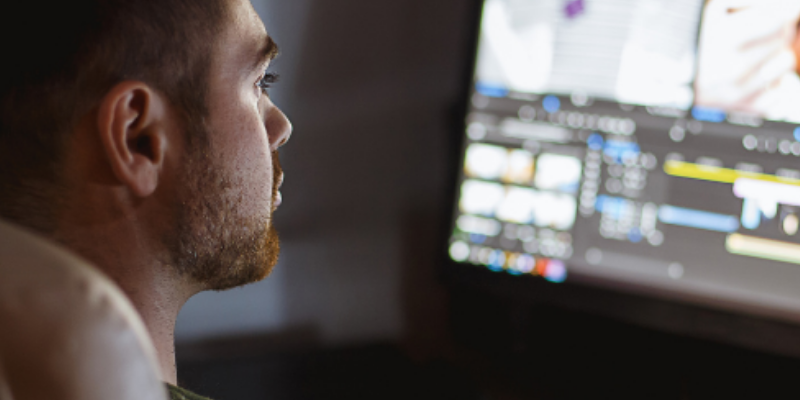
{"points": [[651, 146]]}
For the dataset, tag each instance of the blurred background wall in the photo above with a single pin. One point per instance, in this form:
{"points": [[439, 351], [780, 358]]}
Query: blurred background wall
{"points": [[372, 88]]}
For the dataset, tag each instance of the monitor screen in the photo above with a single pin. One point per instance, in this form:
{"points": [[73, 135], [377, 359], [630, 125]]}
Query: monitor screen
{"points": [[651, 145]]}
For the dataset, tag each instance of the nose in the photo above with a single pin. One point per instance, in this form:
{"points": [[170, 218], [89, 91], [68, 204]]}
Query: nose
{"points": [[279, 128]]}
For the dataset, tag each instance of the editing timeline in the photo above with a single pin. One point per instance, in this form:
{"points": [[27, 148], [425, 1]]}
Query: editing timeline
{"points": [[597, 145]]}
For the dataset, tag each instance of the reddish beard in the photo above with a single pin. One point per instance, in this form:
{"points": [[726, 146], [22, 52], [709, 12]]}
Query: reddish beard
{"points": [[216, 246]]}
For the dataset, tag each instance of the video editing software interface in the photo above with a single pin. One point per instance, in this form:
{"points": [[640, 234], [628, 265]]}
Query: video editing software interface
{"points": [[649, 142]]}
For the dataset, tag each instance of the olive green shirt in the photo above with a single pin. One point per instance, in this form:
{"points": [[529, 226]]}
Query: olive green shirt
{"points": [[176, 393]]}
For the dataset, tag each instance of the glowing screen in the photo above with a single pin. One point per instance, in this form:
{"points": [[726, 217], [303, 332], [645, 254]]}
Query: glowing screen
{"points": [[648, 144]]}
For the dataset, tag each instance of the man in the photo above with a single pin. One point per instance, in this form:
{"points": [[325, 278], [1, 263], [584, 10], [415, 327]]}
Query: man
{"points": [[140, 136]]}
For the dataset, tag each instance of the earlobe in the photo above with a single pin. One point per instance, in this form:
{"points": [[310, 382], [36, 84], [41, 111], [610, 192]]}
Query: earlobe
{"points": [[131, 123]]}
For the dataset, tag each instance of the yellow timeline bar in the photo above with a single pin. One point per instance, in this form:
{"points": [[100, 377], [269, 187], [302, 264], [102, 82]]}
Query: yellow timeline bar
{"points": [[717, 174], [763, 248]]}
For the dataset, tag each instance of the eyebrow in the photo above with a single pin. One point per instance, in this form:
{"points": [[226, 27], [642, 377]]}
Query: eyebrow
{"points": [[268, 51]]}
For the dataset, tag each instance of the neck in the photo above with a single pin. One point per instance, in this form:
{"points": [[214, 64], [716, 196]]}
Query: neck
{"points": [[159, 311], [155, 288]]}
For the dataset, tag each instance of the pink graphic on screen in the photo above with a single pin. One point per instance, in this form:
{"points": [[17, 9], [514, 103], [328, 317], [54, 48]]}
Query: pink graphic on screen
{"points": [[574, 8]]}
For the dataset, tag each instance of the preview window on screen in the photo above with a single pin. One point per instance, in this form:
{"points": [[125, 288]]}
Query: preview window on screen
{"points": [[649, 143]]}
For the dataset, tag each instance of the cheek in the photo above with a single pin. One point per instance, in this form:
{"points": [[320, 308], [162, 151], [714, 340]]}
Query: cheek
{"points": [[244, 147]]}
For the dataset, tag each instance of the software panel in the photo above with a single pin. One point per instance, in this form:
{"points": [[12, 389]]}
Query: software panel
{"points": [[653, 144]]}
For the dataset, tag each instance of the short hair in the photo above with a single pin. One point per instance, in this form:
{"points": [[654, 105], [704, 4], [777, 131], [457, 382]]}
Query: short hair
{"points": [[61, 57]]}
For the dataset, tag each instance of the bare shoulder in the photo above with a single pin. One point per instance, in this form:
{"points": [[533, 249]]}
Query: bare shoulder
{"points": [[68, 331]]}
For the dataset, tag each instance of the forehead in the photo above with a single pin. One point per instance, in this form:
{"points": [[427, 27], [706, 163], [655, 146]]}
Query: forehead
{"points": [[245, 19], [242, 36]]}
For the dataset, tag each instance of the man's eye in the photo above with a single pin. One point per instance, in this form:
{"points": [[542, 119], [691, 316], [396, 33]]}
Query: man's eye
{"points": [[267, 81]]}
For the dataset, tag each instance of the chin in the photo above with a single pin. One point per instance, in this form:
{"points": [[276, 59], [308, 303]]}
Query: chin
{"points": [[249, 261], [229, 255]]}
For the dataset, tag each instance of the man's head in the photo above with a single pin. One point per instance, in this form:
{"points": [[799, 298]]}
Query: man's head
{"points": [[145, 117], [226, 235]]}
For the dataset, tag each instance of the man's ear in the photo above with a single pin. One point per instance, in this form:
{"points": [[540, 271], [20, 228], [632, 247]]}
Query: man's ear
{"points": [[132, 124]]}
